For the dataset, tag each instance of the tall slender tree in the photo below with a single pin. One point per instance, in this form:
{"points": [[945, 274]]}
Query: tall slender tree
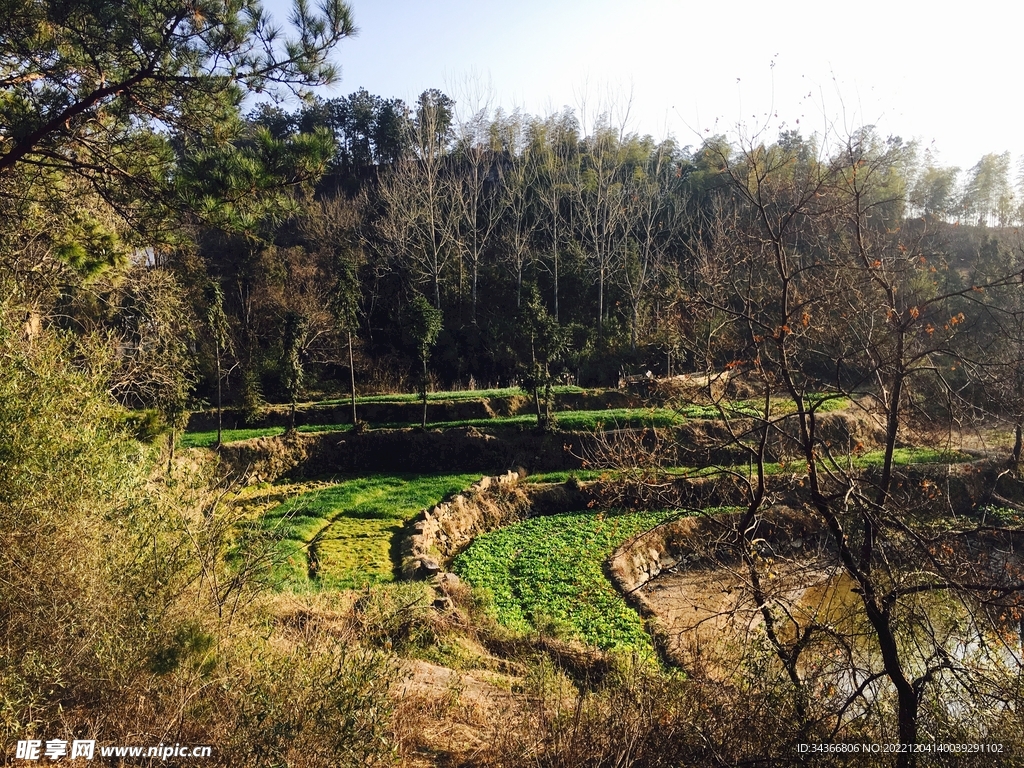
{"points": [[425, 322]]}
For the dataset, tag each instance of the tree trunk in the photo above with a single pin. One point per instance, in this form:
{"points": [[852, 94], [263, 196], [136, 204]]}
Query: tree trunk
{"points": [[555, 260], [423, 393], [352, 379], [906, 696], [1018, 444], [172, 439], [907, 717], [536, 383], [547, 398], [476, 270], [220, 407]]}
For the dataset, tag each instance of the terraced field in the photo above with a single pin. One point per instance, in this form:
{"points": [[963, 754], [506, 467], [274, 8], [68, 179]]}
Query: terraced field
{"points": [[339, 535], [547, 573], [581, 420], [901, 457], [208, 438]]}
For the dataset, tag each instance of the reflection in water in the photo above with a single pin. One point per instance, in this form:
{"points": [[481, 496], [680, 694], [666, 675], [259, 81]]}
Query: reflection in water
{"points": [[714, 628], [964, 649]]}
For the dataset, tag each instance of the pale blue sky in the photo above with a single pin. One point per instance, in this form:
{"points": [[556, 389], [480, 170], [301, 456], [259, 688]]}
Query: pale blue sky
{"points": [[951, 77]]}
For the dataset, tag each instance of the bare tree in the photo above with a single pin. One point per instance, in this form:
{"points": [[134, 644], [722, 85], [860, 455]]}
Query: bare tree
{"points": [[332, 228], [653, 218], [518, 174], [828, 298], [835, 299], [420, 226], [477, 195], [554, 147], [599, 198]]}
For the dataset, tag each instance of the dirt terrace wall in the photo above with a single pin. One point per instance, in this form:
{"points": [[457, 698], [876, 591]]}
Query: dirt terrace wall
{"points": [[437, 535], [411, 412], [266, 459], [433, 539], [696, 443], [709, 442], [441, 532], [692, 542]]}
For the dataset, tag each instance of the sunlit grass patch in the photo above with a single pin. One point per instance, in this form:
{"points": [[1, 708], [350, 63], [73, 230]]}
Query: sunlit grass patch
{"points": [[208, 439], [998, 515], [901, 457], [906, 456], [341, 536], [570, 421], [449, 396], [754, 407], [547, 572], [617, 418]]}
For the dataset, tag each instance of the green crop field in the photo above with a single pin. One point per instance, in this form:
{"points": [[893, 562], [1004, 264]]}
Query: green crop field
{"points": [[209, 439], [452, 395], [906, 456], [341, 536], [547, 572], [571, 421], [901, 457]]}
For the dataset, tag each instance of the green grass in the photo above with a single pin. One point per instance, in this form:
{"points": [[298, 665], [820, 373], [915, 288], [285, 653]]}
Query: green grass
{"points": [[563, 476], [449, 396], [621, 418], [341, 536], [498, 422], [754, 407], [547, 572], [617, 418], [570, 421], [905, 456], [209, 439], [901, 457], [996, 515]]}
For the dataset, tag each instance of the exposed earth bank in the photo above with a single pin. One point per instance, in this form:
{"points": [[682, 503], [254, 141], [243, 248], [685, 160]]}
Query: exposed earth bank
{"points": [[697, 443]]}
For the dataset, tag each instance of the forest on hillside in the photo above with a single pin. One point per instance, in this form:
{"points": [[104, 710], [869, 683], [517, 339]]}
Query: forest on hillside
{"points": [[242, 264], [772, 363]]}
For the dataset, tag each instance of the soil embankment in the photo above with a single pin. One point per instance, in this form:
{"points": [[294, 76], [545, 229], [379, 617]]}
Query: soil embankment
{"points": [[467, 449], [687, 578], [697, 443], [410, 411], [441, 532]]}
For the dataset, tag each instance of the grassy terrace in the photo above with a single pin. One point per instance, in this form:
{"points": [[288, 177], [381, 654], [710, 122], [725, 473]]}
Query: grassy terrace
{"points": [[546, 572], [542, 573], [339, 536], [901, 457], [572, 421], [208, 439], [450, 396]]}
